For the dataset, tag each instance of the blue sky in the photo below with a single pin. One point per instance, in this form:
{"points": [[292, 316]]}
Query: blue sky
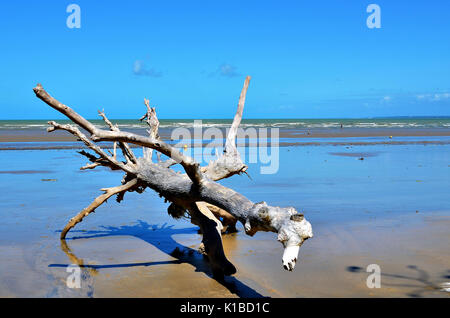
{"points": [[307, 59]]}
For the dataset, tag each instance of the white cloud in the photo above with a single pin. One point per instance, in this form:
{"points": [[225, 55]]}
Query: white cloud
{"points": [[286, 107], [140, 69], [441, 96], [385, 99], [433, 97], [226, 70]]}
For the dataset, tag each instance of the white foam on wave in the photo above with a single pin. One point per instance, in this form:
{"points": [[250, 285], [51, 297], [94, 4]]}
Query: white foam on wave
{"points": [[288, 124]]}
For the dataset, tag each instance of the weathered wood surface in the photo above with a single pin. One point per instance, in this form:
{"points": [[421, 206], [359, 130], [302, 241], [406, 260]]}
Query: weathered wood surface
{"points": [[195, 193]]}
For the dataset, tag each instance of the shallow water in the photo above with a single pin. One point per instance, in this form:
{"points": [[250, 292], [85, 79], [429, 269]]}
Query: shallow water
{"points": [[357, 208]]}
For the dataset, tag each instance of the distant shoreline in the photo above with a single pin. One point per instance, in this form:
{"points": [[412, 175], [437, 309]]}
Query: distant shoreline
{"points": [[293, 123], [40, 139], [41, 134]]}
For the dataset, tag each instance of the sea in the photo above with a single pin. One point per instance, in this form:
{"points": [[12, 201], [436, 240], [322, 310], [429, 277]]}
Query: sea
{"points": [[387, 122]]}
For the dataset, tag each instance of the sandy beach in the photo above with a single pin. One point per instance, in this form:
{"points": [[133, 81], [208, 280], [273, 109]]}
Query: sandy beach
{"points": [[41, 135], [390, 209], [294, 152]]}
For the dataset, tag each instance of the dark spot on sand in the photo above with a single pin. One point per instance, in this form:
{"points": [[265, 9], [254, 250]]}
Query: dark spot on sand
{"points": [[354, 269], [355, 154]]}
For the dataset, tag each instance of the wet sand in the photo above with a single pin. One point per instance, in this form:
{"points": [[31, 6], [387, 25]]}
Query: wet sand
{"points": [[24, 171], [41, 135], [413, 261], [128, 261], [391, 209], [355, 154]]}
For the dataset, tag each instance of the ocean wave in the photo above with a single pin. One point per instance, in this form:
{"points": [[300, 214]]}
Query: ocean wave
{"points": [[222, 124]]}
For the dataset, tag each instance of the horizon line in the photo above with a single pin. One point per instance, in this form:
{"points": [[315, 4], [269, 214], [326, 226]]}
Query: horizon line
{"points": [[243, 119]]}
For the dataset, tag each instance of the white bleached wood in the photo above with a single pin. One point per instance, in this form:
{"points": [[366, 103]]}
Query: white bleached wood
{"points": [[196, 192]]}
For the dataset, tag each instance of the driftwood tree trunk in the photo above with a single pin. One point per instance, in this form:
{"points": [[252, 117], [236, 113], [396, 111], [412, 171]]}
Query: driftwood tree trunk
{"points": [[196, 193]]}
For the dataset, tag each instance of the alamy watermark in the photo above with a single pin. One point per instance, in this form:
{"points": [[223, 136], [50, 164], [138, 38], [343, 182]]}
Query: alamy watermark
{"points": [[74, 19], [203, 144], [374, 279], [74, 279], [374, 19]]}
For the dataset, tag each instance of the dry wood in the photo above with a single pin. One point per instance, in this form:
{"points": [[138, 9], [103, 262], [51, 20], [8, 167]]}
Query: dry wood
{"points": [[109, 192], [195, 193]]}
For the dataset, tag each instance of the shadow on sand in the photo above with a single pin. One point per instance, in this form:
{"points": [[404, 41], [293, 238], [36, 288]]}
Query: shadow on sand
{"points": [[161, 238], [419, 284]]}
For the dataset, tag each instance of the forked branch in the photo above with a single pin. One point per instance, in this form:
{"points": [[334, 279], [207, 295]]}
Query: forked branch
{"points": [[109, 192], [76, 132], [191, 167], [126, 150], [194, 192], [230, 163]]}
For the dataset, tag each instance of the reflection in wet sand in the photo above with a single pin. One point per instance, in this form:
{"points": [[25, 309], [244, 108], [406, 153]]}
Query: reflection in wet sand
{"points": [[160, 237], [371, 212]]}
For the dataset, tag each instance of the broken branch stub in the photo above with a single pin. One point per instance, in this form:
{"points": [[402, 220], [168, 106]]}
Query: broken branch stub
{"points": [[195, 193]]}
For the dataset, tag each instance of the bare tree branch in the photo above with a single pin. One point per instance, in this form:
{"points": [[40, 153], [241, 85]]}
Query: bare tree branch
{"points": [[90, 166], [153, 122], [109, 192], [126, 150], [232, 134], [76, 132], [195, 192], [230, 163], [191, 167]]}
